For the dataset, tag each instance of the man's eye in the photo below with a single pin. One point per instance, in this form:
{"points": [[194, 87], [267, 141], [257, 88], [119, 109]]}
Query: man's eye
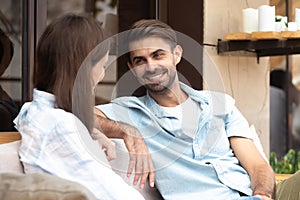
{"points": [[138, 62], [158, 55]]}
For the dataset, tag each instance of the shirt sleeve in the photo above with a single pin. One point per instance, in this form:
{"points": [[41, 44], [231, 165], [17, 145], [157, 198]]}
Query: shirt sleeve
{"points": [[120, 113], [107, 109], [236, 124], [68, 157]]}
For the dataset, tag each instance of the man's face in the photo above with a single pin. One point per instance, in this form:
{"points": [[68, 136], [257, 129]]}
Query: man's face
{"points": [[154, 63]]}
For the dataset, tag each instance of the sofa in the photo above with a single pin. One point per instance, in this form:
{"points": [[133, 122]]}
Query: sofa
{"points": [[14, 184]]}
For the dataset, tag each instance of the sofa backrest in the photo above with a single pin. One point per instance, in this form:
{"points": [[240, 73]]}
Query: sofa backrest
{"points": [[6, 137], [10, 161]]}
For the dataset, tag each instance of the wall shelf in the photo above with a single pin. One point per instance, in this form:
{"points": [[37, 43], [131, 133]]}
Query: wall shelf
{"points": [[266, 47]]}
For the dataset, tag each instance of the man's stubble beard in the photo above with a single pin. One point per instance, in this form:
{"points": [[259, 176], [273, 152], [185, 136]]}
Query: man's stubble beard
{"points": [[161, 88]]}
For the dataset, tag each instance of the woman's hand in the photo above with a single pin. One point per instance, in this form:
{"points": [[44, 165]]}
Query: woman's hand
{"points": [[108, 146]]}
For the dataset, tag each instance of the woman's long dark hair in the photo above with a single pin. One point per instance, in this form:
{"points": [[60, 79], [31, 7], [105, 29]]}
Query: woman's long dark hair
{"points": [[62, 49]]}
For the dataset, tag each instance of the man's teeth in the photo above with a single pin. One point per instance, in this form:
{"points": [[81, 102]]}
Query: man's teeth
{"points": [[155, 77]]}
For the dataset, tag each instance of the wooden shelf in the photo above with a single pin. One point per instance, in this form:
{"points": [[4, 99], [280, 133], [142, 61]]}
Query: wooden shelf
{"points": [[262, 44], [268, 47]]}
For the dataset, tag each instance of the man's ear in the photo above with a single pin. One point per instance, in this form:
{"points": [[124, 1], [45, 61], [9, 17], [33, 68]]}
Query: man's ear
{"points": [[178, 53], [131, 68], [129, 65]]}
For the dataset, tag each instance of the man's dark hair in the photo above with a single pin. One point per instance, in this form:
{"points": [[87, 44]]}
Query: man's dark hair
{"points": [[151, 28]]}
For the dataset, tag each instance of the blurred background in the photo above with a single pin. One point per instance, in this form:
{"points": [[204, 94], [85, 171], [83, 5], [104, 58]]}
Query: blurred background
{"points": [[267, 93]]}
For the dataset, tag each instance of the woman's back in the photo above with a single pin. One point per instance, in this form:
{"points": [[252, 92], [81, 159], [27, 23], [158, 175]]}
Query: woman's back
{"points": [[56, 142]]}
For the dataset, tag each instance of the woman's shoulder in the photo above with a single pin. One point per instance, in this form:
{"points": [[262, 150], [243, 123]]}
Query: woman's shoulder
{"points": [[43, 118]]}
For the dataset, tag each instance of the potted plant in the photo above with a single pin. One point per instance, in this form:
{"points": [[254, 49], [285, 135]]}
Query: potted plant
{"points": [[286, 165]]}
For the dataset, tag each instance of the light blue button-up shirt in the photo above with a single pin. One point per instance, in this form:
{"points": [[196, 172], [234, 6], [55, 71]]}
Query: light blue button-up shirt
{"points": [[205, 168]]}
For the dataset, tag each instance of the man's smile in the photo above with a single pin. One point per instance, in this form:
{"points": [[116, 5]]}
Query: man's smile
{"points": [[155, 77]]}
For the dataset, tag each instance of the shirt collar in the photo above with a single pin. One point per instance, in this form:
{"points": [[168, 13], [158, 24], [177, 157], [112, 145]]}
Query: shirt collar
{"points": [[44, 98], [193, 94]]}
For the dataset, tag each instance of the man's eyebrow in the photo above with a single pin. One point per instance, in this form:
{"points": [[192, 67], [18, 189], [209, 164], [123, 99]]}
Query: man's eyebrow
{"points": [[152, 53], [158, 51]]}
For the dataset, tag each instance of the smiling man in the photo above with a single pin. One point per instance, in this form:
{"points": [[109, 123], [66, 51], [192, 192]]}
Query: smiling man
{"points": [[146, 61], [200, 143]]}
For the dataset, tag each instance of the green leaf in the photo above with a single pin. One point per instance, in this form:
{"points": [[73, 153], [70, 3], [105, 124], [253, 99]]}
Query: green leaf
{"points": [[287, 164], [278, 19]]}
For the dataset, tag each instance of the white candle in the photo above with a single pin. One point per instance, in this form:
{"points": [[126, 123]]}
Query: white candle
{"points": [[297, 17], [266, 18], [292, 26], [250, 20]]}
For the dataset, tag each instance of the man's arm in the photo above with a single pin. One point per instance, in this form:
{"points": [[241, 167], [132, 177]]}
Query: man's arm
{"points": [[140, 158], [260, 172]]}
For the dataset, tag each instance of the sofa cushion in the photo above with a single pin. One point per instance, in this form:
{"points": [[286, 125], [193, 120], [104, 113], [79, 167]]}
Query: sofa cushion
{"points": [[40, 186], [9, 155]]}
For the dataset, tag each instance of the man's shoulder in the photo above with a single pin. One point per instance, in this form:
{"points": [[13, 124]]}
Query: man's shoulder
{"points": [[125, 98], [220, 102], [126, 102], [208, 95], [217, 95]]}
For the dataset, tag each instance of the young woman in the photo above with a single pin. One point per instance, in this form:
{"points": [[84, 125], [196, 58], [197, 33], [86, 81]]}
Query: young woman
{"points": [[56, 126]]}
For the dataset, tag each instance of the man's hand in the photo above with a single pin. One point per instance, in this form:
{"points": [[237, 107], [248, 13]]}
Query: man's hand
{"points": [[263, 197], [140, 158]]}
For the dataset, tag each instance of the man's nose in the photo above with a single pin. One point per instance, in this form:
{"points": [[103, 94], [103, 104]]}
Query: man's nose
{"points": [[150, 65]]}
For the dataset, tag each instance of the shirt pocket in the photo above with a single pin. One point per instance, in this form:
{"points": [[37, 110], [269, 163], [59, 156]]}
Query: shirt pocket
{"points": [[233, 176], [213, 142]]}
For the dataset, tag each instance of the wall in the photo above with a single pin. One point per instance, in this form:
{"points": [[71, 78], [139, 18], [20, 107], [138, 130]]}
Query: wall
{"points": [[237, 74]]}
